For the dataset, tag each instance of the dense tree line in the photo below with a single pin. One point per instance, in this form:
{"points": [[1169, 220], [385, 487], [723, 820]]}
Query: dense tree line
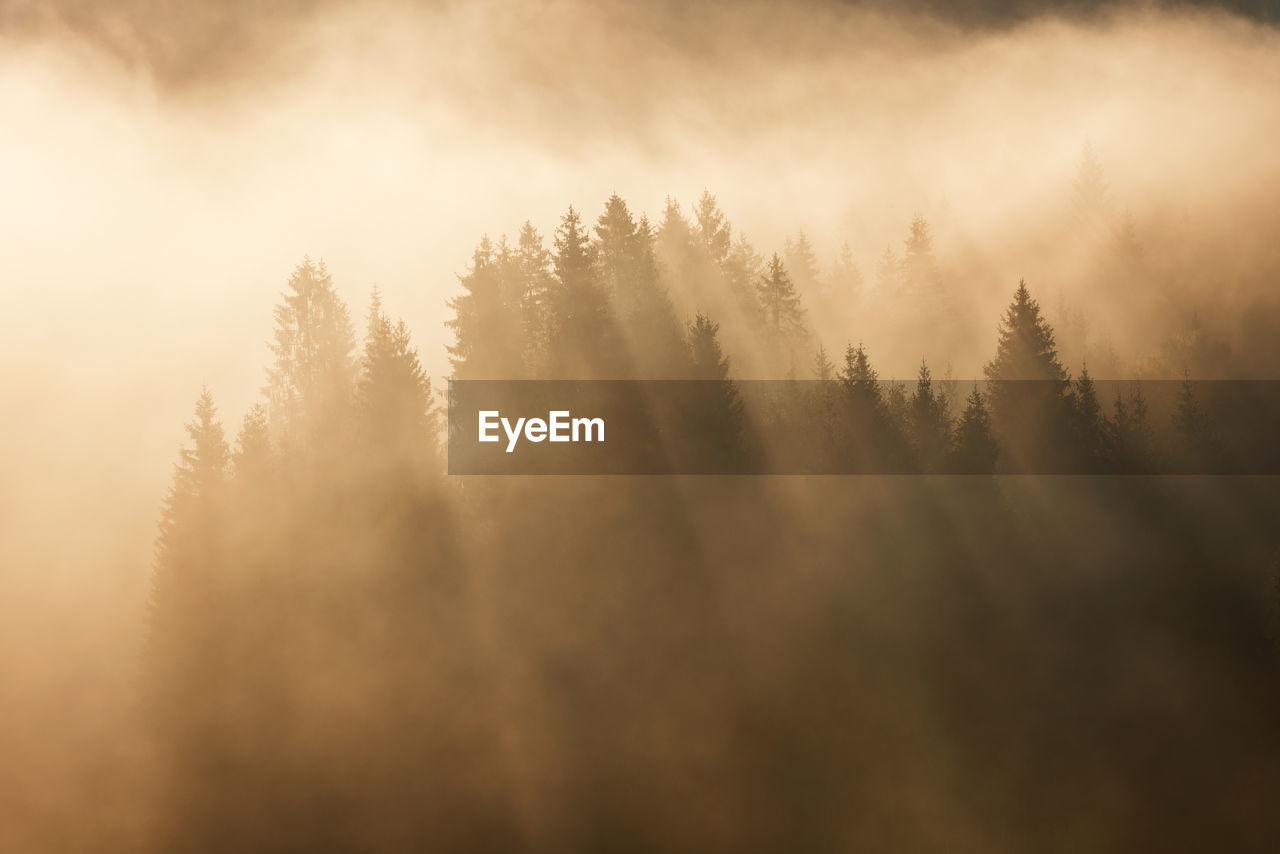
{"points": [[348, 650]]}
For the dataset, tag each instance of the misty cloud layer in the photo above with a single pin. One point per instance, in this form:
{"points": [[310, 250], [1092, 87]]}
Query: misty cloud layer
{"points": [[164, 168]]}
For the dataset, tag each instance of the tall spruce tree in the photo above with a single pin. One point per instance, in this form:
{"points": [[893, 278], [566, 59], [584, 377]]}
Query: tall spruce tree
{"points": [[309, 385], [1029, 404], [1091, 429], [254, 460], [870, 442], [714, 410], [1197, 447], [802, 264], [534, 261], [184, 669], [888, 276], [713, 228], [488, 323], [393, 396], [742, 270], [930, 423], [783, 314], [844, 283], [919, 267], [584, 343], [976, 448], [1131, 438]]}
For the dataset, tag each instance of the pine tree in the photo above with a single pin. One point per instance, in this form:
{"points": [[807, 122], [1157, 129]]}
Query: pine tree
{"points": [[1091, 428], [615, 251], [1029, 404], [870, 441], [254, 459], [888, 275], [1197, 446], [802, 265], [181, 645], [715, 409], [823, 369], [844, 283], [655, 333], [742, 270], [583, 339], [712, 228], [929, 423], [919, 267], [488, 322], [1026, 349], [780, 306], [976, 448], [534, 262], [1131, 433], [860, 380], [393, 394], [309, 386]]}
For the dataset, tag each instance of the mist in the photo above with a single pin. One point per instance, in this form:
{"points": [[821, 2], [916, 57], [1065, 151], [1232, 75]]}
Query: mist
{"points": [[162, 174]]}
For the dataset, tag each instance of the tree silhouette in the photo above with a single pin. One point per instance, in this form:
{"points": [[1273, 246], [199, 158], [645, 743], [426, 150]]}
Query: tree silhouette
{"points": [[802, 265], [1029, 406], [976, 448], [713, 228], [715, 409], [929, 423], [1091, 429], [393, 395], [308, 387], [781, 308], [583, 339], [488, 322]]}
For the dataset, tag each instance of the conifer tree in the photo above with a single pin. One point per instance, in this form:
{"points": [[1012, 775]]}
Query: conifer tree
{"points": [[870, 441], [1091, 429], [930, 428], [976, 448], [1131, 433], [1026, 349], [534, 262], [898, 408], [888, 275], [1029, 387], [309, 386], [715, 408], [844, 282], [823, 368], [253, 458], [488, 322], [742, 270], [802, 264], [583, 340], [393, 394], [1197, 445], [859, 379], [712, 228], [781, 309], [652, 321], [616, 251], [919, 267], [182, 647]]}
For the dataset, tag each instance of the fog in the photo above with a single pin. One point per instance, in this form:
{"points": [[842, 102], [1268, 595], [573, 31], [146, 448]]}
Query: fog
{"points": [[162, 173]]}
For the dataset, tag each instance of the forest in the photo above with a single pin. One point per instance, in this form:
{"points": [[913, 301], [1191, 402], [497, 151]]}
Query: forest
{"points": [[935, 350], [348, 649]]}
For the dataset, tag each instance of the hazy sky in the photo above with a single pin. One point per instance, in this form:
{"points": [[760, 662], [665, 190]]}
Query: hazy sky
{"points": [[163, 172], [163, 167]]}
